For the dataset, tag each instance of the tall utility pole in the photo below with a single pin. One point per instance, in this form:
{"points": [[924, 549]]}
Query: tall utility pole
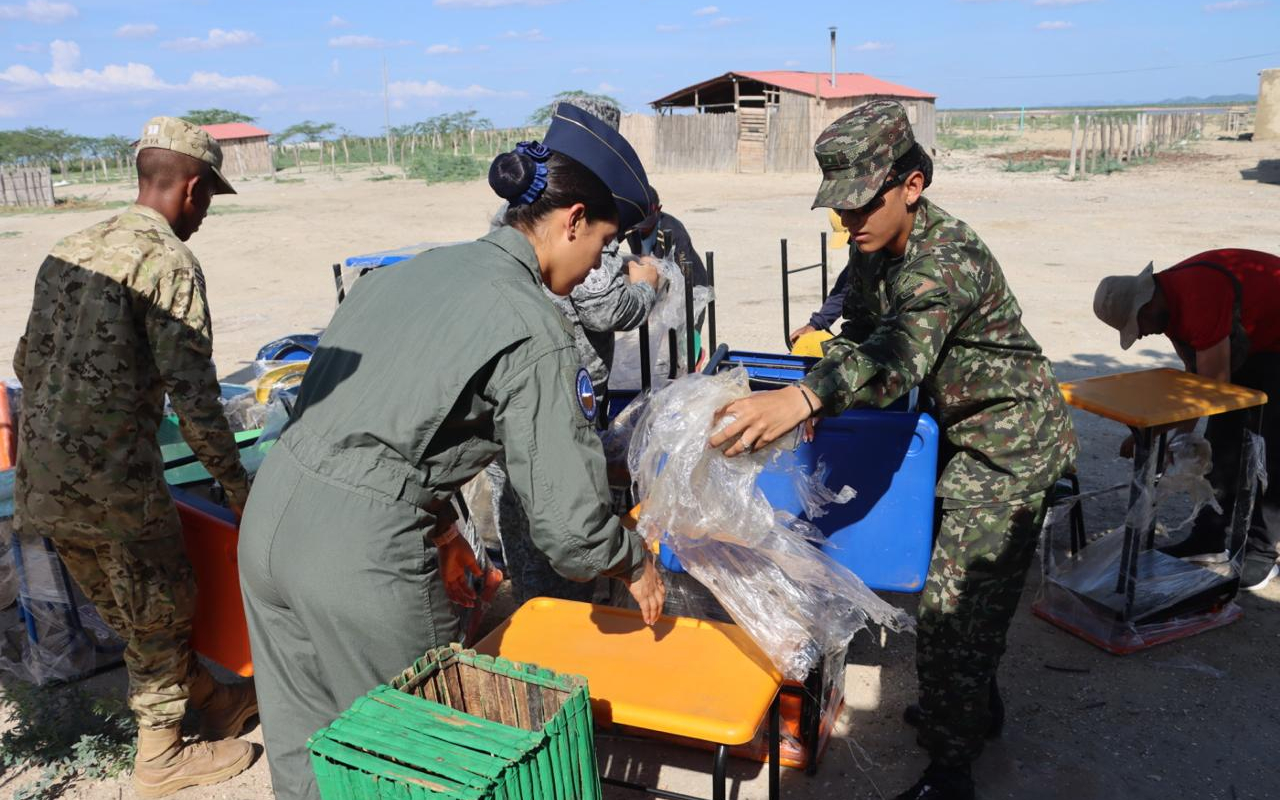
{"points": [[833, 56], [386, 108]]}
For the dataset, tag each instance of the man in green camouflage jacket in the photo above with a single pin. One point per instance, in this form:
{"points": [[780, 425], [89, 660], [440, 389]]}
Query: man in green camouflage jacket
{"points": [[118, 321], [928, 306]]}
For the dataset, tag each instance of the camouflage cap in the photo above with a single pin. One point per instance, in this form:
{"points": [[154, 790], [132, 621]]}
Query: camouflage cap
{"points": [[180, 136], [857, 151]]}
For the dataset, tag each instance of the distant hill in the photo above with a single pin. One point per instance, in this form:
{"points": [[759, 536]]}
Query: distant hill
{"points": [[1213, 99]]}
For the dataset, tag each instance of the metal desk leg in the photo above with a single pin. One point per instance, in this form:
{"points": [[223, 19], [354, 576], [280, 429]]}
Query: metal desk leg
{"points": [[775, 747], [717, 775], [1143, 485], [1246, 491]]}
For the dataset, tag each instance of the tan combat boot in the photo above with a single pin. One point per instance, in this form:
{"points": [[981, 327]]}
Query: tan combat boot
{"points": [[165, 765], [224, 708]]}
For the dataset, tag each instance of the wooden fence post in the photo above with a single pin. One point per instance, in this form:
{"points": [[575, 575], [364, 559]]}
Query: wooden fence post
{"points": [[1084, 145], [1071, 163]]}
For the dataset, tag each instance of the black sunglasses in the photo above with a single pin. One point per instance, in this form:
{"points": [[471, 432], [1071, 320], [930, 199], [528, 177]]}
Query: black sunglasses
{"points": [[878, 200]]}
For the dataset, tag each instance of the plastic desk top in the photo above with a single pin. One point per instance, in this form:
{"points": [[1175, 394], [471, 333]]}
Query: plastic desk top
{"points": [[686, 677], [1155, 397], [388, 257]]}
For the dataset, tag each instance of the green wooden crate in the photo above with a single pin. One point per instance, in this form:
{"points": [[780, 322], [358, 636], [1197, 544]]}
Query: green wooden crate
{"points": [[459, 725]]}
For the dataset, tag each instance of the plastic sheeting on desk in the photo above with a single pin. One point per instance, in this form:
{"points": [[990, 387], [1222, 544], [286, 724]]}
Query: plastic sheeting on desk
{"points": [[1172, 598], [49, 642], [792, 599], [665, 316]]}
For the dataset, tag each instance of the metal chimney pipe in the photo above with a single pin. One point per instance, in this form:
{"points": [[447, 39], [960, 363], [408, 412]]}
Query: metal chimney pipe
{"points": [[833, 56]]}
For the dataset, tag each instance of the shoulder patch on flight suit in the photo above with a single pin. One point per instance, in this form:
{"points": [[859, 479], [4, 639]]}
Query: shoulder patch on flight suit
{"points": [[586, 392]]}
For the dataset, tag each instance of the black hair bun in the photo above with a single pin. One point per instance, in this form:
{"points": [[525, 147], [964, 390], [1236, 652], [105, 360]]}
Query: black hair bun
{"points": [[511, 175]]}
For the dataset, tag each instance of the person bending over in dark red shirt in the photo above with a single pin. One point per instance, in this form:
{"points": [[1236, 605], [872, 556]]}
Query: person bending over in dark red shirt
{"points": [[1221, 310]]}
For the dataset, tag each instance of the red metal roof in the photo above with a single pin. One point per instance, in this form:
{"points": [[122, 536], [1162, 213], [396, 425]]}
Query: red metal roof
{"points": [[848, 84], [233, 130], [818, 84]]}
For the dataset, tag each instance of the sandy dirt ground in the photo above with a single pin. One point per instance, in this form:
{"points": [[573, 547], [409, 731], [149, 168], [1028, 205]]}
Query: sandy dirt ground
{"points": [[1192, 719]]}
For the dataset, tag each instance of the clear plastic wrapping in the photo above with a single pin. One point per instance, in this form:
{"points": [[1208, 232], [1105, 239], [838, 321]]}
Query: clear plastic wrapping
{"points": [[1080, 588], [48, 643], [666, 315], [792, 599], [244, 412]]}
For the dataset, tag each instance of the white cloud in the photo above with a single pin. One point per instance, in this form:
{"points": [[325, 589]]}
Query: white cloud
{"points": [[706, 11], [433, 90], [483, 48], [338, 22], [66, 73], [1055, 25], [607, 87], [1233, 5], [791, 63], [34, 47], [39, 11], [443, 50], [531, 35], [371, 42], [1063, 2], [22, 76], [216, 40], [212, 81], [667, 28], [494, 3], [867, 47], [724, 22], [335, 67], [137, 30]]}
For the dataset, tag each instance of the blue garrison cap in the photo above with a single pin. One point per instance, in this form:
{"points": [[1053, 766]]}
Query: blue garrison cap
{"points": [[601, 149]]}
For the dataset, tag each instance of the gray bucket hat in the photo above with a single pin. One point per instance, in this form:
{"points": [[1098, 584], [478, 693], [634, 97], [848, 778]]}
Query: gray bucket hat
{"points": [[1119, 298]]}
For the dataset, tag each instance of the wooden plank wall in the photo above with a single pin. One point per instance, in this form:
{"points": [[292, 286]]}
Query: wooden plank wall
{"points": [[26, 186], [695, 143], [922, 115], [241, 157], [790, 141], [640, 131]]}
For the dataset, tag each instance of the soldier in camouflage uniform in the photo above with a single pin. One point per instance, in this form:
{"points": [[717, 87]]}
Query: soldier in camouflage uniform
{"points": [[928, 306], [119, 319], [614, 297]]}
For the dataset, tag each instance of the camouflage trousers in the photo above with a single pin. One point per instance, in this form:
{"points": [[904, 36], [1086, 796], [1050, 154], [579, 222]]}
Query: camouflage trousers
{"points": [[980, 561], [145, 590], [530, 572]]}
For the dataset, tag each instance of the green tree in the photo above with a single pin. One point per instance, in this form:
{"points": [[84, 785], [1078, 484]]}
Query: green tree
{"points": [[215, 116], [543, 115], [306, 130]]}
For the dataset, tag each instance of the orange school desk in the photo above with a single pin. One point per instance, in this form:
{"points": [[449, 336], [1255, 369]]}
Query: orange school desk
{"points": [[723, 688], [218, 631], [1149, 401]]}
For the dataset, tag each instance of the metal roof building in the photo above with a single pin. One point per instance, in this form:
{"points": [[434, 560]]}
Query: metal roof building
{"points": [[244, 149], [769, 119]]}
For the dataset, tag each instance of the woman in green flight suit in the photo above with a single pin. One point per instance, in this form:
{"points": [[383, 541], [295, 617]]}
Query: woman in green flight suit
{"points": [[428, 370]]}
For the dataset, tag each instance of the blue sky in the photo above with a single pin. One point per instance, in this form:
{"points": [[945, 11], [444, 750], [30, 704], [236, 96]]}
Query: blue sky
{"points": [[102, 66]]}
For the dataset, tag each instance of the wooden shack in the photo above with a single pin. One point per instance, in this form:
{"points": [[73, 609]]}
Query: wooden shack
{"points": [[244, 149], [761, 121]]}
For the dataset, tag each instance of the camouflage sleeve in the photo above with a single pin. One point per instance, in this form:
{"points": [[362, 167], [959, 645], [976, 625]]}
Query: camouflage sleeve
{"points": [[20, 358], [897, 355], [608, 301], [180, 334]]}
